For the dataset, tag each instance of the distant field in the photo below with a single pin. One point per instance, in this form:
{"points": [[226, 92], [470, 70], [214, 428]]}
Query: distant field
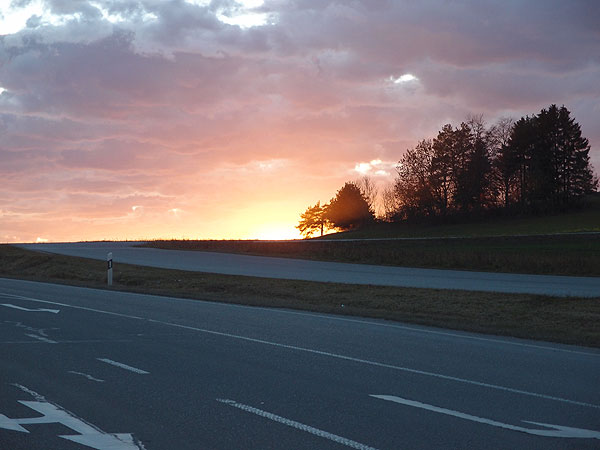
{"points": [[567, 320], [575, 254], [565, 244], [577, 221]]}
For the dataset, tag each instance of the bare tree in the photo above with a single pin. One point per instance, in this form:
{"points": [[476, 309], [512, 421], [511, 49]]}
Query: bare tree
{"points": [[389, 203], [369, 191]]}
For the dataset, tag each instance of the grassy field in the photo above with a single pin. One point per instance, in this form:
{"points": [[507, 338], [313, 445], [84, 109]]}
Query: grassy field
{"points": [[586, 219], [566, 320], [575, 254], [564, 244]]}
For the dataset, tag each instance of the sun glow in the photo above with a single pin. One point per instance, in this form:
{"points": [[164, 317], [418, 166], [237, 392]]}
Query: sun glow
{"points": [[277, 232]]}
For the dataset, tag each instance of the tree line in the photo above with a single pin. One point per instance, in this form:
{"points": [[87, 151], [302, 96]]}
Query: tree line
{"points": [[538, 164]]}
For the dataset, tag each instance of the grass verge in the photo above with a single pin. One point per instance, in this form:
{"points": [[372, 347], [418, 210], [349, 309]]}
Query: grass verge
{"points": [[565, 320]]}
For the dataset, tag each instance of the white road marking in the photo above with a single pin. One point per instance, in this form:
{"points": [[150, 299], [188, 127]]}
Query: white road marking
{"points": [[83, 341], [8, 305], [123, 366], [42, 338], [557, 431], [333, 355], [297, 425], [367, 322], [378, 324], [89, 435], [426, 331], [89, 377], [38, 397], [40, 331]]}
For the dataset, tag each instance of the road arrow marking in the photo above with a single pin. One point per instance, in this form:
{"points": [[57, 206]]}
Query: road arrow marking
{"points": [[556, 431], [89, 435], [8, 305]]}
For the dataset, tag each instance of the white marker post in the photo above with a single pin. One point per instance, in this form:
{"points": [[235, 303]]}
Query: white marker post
{"points": [[110, 267]]}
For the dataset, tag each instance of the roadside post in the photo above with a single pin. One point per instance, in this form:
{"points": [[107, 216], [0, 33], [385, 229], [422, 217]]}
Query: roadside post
{"points": [[110, 267]]}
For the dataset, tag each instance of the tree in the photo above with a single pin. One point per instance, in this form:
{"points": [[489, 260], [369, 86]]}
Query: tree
{"points": [[474, 183], [443, 167], [575, 174], [369, 191], [349, 209], [312, 220], [548, 158], [515, 159], [417, 190], [389, 203], [503, 161]]}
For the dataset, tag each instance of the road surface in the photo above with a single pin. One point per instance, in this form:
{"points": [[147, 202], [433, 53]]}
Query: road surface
{"points": [[84, 368], [297, 269]]}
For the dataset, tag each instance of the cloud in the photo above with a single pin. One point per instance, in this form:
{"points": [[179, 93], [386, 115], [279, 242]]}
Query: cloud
{"points": [[376, 168], [106, 105]]}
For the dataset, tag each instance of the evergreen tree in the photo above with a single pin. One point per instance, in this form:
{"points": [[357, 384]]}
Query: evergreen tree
{"points": [[349, 209], [549, 159]]}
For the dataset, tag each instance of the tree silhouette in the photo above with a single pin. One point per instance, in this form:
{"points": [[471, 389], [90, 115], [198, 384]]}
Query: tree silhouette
{"points": [[474, 190], [417, 191], [312, 220], [503, 162], [549, 160], [539, 163], [349, 209], [536, 164], [369, 191]]}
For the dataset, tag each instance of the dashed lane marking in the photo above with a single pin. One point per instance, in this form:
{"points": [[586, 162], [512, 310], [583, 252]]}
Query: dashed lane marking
{"points": [[299, 426], [123, 366], [334, 355], [42, 338]]}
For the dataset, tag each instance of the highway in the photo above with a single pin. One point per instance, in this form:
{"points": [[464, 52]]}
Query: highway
{"points": [[297, 269], [84, 368]]}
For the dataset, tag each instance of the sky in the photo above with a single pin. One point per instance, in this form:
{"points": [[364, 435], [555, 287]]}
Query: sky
{"points": [[224, 120]]}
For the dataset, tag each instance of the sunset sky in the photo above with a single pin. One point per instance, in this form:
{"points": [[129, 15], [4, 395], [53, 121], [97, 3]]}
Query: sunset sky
{"points": [[198, 119]]}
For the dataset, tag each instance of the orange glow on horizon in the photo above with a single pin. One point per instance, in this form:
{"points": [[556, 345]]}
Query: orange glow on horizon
{"points": [[276, 232]]}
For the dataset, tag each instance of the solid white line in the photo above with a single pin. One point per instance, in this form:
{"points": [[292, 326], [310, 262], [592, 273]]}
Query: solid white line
{"points": [[41, 338], [8, 305], [334, 355], [366, 322], [297, 425], [419, 330], [85, 341], [557, 431], [123, 366]]}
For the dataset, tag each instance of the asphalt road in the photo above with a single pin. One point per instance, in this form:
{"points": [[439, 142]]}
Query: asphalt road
{"points": [[83, 368], [297, 269]]}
